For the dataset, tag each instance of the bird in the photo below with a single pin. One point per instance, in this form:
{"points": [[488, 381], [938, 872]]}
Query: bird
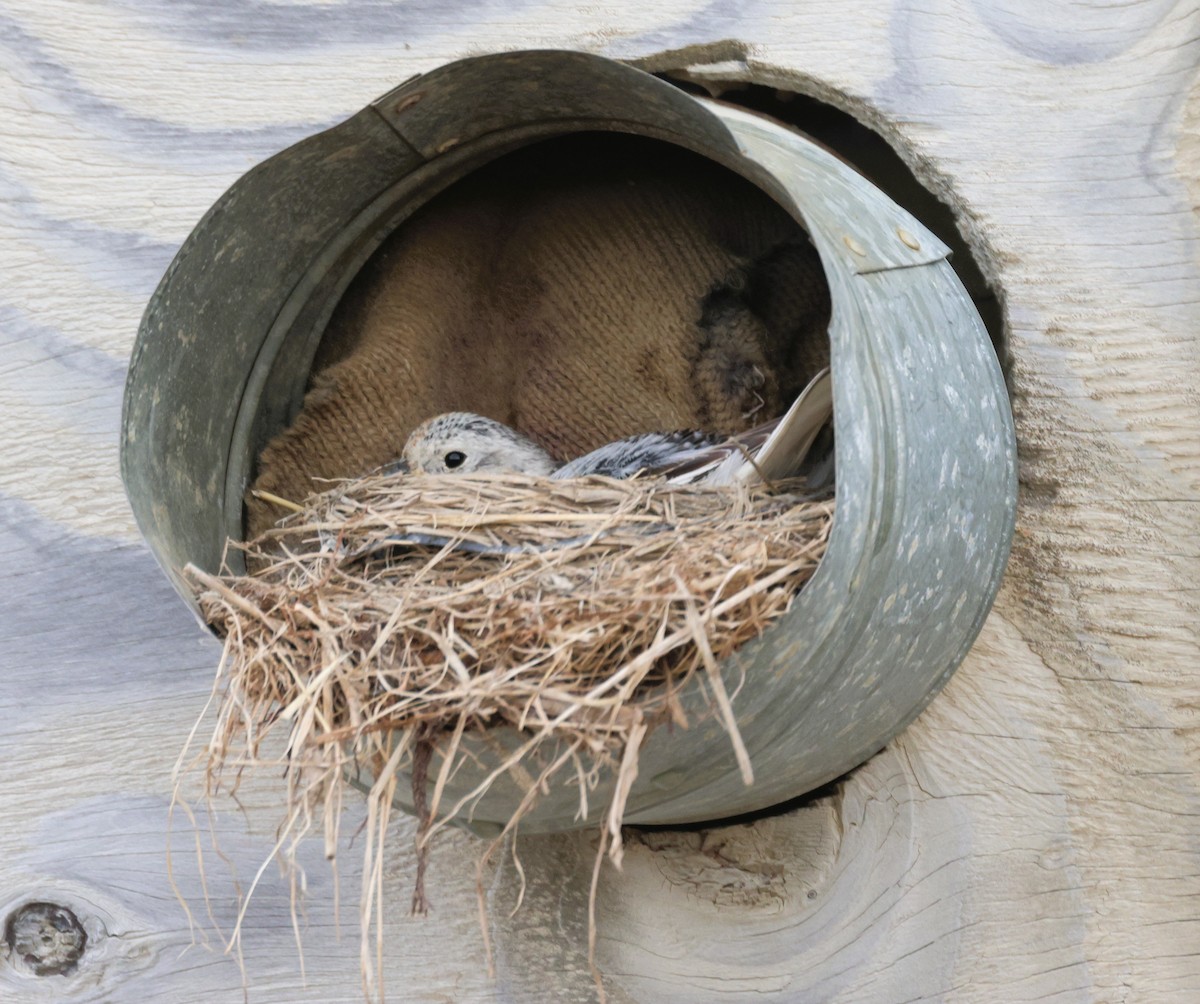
{"points": [[460, 442]]}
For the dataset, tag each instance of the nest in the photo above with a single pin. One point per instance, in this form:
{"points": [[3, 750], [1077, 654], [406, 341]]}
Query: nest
{"points": [[390, 620]]}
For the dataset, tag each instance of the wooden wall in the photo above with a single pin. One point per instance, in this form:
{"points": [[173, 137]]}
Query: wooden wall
{"points": [[1034, 836]]}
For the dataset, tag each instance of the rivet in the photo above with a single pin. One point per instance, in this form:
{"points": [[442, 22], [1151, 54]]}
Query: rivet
{"points": [[405, 104], [450, 144], [854, 246], [908, 239]]}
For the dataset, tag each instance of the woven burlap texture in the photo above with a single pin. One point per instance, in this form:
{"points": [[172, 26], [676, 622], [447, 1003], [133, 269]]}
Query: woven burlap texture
{"points": [[580, 291]]}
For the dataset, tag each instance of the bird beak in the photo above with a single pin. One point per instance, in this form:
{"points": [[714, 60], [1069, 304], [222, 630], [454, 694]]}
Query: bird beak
{"points": [[397, 467]]}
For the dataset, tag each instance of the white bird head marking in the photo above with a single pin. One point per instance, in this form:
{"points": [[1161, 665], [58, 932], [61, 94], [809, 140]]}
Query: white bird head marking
{"points": [[461, 443]]}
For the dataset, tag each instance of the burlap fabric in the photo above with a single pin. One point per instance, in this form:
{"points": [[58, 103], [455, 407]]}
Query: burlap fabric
{"points": [[580, 290]]}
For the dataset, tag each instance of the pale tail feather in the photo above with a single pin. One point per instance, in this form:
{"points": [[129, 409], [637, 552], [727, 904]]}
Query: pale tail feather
{"points": [[787, 446]]}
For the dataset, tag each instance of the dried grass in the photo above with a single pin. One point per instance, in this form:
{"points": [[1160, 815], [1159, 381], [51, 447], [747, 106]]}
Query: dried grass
{"points": [[390, 617]]}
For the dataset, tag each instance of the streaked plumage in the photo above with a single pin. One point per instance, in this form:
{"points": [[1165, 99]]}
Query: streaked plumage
{"points": [[462, 442], [681, 456], [483, 445]]}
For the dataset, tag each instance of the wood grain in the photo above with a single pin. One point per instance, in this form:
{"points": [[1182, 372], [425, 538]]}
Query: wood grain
{"points": [[1034, 836]]}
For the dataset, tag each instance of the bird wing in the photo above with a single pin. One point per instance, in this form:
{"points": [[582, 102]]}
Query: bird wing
{"points": [[768, 452], [652, 452], [789, 441]]}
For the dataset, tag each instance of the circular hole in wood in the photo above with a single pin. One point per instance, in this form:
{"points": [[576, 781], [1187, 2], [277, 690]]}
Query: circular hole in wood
{"points": [[582, 288]]}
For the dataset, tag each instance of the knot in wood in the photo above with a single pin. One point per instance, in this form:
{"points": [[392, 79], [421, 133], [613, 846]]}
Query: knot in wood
{"points": [[45, 938]]}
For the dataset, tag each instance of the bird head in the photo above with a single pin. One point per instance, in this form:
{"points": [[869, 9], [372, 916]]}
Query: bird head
{"points": [[462, 443]]}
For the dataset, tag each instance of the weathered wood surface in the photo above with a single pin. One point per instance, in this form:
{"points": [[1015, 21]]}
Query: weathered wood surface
{"points": [[1034, 836]]}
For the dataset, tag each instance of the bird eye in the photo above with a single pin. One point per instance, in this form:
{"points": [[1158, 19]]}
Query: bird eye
{"points": [[454, 459]]}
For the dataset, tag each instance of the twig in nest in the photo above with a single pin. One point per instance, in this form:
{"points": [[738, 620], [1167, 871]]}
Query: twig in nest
{"points": [[422, 754], [276, 500]]}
